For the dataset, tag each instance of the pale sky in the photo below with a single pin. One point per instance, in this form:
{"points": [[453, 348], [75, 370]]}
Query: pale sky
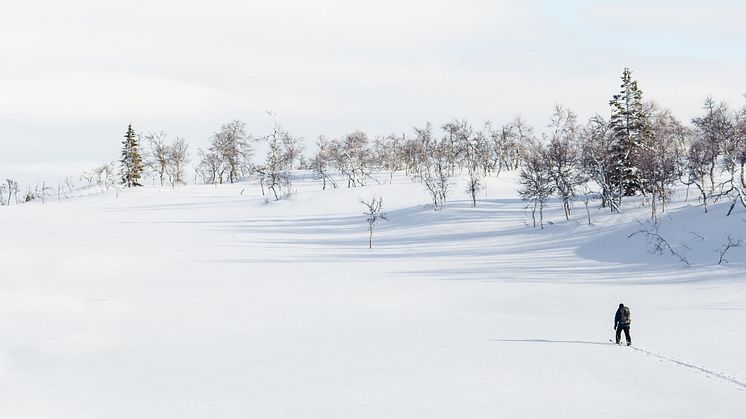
{"points": [[73, 74]]}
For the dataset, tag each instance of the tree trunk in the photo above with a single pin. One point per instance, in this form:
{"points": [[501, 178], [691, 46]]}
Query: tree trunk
{"points": [[541, 215], [533, 213]]}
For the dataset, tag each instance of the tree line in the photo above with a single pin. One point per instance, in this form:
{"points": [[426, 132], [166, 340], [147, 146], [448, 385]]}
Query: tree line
{"points": [[640, 148]]}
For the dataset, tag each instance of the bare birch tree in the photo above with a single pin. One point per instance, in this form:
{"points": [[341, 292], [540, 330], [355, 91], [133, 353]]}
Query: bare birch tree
{"points": [[536, 183], [563, 157], [374, 213]]}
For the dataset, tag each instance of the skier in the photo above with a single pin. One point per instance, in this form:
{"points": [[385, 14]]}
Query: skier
{"points": [[622, 321]]}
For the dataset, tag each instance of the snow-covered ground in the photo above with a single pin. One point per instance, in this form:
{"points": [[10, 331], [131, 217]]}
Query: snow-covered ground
{"points": [[203, 302]]}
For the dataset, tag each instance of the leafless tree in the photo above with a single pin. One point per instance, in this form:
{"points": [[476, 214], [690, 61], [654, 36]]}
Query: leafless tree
{"points": [[731, 243], [587, 196], [353, 158], [657, 244], [598, 159], [413, 155], [374, 213], [740, 147], [105, 176], [563, 157], [284, 151], [712, 131], [211, 167], [536, 183], [387, 153], [457, 136], [434, 169], [321, 162], [474, 148], [229, 155], [42, 191], [102, 177], [699, 165], [178, 157], [64, 188], [157, 155], [510, 144], [659, 158], [12, 190]]}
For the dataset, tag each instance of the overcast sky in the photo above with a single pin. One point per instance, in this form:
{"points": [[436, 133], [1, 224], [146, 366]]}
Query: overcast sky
{"points": [[73, 74]]}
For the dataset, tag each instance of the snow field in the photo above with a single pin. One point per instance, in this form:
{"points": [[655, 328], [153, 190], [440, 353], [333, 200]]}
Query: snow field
{"points": [[203, 302]]}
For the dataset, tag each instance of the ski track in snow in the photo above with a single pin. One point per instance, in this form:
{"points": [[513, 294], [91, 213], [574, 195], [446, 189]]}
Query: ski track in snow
{"points": [[740, 385], [709, 373]]}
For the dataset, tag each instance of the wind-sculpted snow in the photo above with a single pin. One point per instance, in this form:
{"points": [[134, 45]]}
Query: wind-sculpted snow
{"points": [[204, 302]]}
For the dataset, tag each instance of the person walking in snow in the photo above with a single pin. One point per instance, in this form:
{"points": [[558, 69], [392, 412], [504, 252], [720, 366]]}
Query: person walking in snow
{"points": [[622, 321]]}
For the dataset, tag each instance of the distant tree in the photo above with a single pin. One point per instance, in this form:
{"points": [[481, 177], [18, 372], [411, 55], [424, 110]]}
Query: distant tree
{"points": [[178, 157], [454, 142], [131, 162], [284, 151], [434, 169], [598, 159], [536, 183], [413, 155], [713, 130], [563, 157], [157, 157], [507, 144], [42, 191], [353, 158], [64, 188], [211, 167], [387, 153], [12, 190], [473, 155], [102, 177], [660, 158], [105, 176], [698, 167], [374, 213], [740, 148], [29, 196], [231, 146], [321, 162], [629, 126], [522, 140]]}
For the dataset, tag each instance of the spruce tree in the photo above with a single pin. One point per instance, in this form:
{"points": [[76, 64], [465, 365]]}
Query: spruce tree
{"points": [[132, 165], [630, 127]]}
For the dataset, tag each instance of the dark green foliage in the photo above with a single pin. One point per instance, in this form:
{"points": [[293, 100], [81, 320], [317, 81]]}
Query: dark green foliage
{"points": [[629, 128], [132, 165]]}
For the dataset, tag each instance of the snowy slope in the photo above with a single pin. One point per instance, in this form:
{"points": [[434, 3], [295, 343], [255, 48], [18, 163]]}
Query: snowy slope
{"points": [[203, 302]]}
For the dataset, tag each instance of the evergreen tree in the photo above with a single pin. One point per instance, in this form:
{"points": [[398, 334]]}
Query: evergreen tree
{"points": [[630, 127], [132, 165]]}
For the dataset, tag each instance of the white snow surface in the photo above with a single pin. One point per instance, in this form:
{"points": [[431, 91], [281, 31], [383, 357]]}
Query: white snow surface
{"points": [[205, 302]]}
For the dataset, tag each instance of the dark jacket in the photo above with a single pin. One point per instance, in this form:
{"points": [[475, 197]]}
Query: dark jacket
{"points": [[620, 319]]}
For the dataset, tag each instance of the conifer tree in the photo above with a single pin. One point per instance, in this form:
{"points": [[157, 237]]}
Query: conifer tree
{"points": [[132, 165], [629, 126]]}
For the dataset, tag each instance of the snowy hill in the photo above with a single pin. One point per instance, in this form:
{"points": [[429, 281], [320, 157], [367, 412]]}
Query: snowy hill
{"points": [[204, 302]]}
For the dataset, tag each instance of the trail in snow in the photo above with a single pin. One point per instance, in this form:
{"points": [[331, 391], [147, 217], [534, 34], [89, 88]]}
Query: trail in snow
{"points": [[710, 373]]}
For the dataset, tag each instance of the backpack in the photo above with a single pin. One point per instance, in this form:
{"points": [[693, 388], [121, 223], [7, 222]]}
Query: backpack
{"points": [[626, 317]]}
